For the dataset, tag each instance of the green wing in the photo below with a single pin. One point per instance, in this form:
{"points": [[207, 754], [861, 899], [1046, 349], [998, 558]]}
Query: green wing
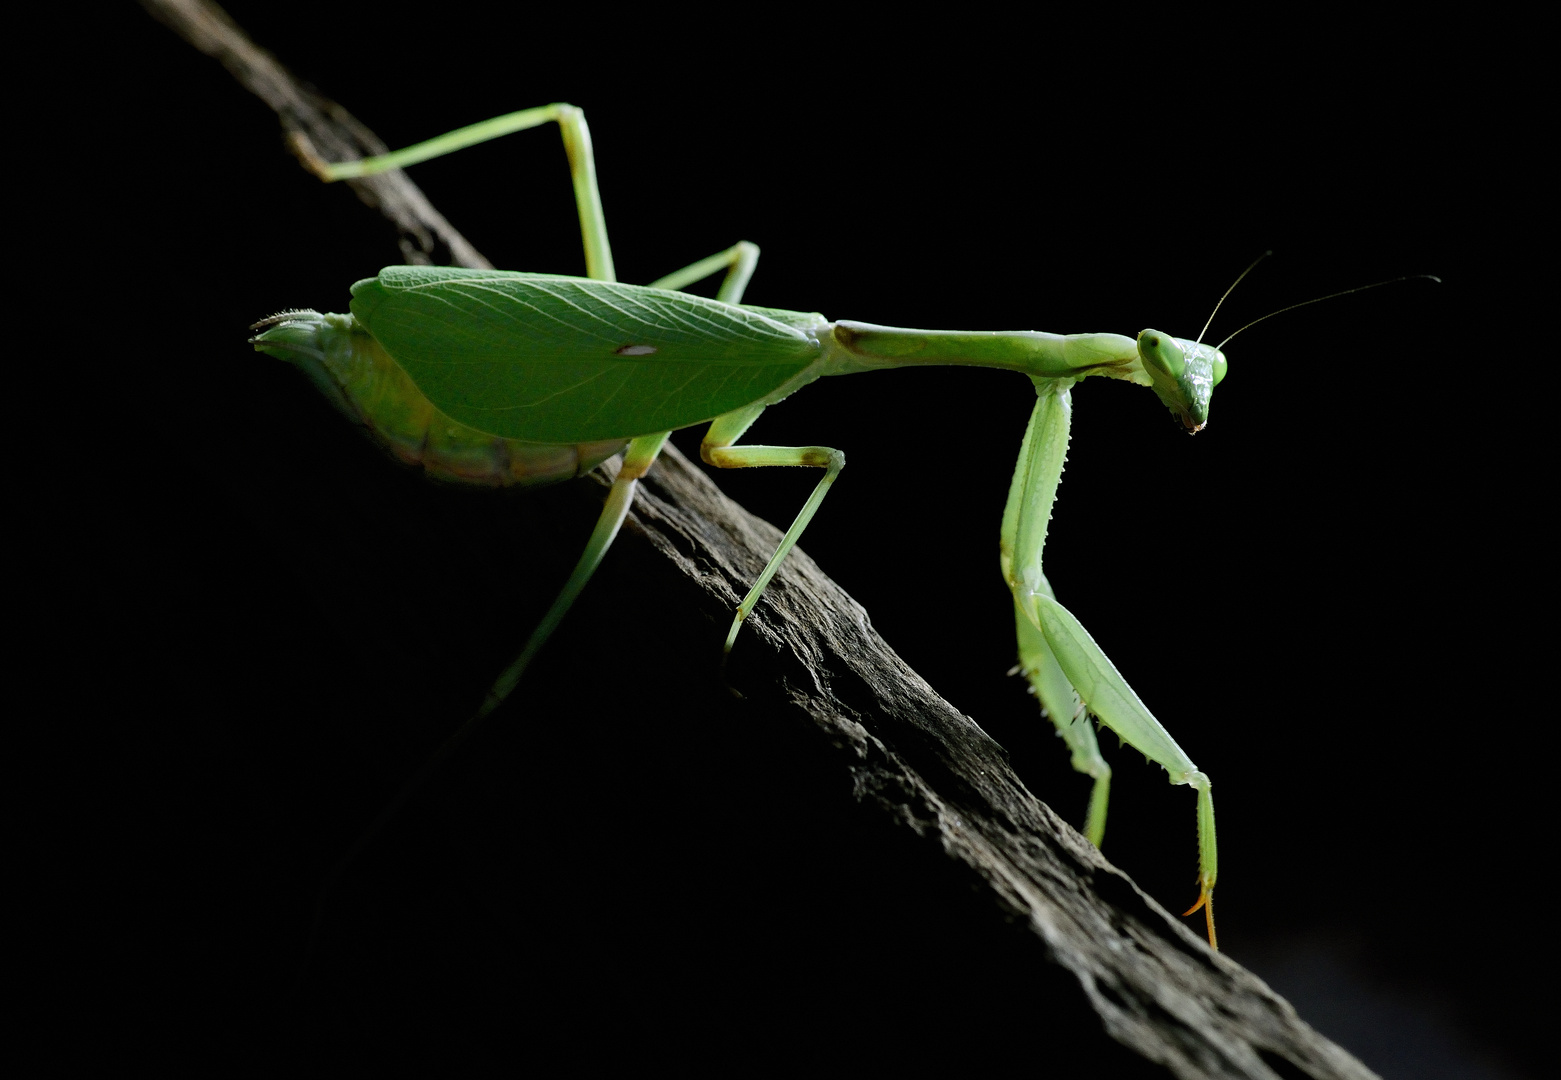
{"points": [[565, 360]]}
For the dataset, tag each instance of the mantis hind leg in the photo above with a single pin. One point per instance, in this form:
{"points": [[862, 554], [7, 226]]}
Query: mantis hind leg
{"points": [[577, 146], [637, 460], [738, 260]]}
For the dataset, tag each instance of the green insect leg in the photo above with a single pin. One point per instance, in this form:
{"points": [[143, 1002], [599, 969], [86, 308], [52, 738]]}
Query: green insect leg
{"points": [[738, 261], [1025, 518], [577, 145], [637, 460], [1060, 701], [717, 450], [1092, 675], [1101, 686]]}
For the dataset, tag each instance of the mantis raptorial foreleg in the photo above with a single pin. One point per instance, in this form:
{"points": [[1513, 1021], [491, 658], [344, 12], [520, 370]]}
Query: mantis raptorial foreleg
{"points": [[1041, 456], [1093, 678], [1061, 703]]}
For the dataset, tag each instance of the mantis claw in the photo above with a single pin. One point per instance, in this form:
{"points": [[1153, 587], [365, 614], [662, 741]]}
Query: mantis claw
{"points": [[1206, 902]]}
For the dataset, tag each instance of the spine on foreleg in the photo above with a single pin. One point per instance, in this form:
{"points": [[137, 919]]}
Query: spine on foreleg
{"points": [[364, 381]]}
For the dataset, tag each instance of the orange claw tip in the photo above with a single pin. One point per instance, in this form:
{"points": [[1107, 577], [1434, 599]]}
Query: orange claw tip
{"points": [[1206, 902]]}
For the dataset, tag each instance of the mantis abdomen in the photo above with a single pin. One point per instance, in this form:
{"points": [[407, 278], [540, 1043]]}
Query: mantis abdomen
{"points": [[362, 380]]}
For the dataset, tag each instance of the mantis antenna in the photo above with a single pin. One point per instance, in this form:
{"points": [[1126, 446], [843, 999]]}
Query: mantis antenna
{"points": [[1252, 266], [1315, 300]]}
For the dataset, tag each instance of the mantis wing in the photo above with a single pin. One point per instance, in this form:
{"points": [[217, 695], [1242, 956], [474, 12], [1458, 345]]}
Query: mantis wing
{"points": [[555, 359]]}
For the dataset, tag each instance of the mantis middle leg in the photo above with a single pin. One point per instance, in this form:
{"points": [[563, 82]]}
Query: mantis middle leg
{"points": [[738, 261], [1071, 659], [717, 449]]}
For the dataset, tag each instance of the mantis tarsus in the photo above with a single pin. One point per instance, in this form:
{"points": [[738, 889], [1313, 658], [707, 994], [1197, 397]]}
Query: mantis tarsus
{"points": [[496, 377]]}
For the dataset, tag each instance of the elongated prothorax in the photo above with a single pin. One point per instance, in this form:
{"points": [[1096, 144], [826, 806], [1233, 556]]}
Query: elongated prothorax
{"points": [[1038, 354]]}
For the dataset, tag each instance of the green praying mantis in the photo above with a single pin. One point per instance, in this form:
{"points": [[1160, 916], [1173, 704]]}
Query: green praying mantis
{"points": [[505, 378]]}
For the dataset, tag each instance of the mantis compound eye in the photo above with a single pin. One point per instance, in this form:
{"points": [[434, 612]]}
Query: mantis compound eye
{"points": [[1220, 365], [1161, 351]]}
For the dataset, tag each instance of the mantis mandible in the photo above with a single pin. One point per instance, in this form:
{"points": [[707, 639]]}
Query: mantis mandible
{"points": [[499, 378]]}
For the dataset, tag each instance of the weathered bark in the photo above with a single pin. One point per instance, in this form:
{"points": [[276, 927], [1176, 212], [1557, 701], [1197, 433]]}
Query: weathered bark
{"points": [[810, 661], [425, 236]]}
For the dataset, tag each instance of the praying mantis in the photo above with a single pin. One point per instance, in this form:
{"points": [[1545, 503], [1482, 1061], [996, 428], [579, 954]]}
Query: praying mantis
{"points": [[506, 378]]}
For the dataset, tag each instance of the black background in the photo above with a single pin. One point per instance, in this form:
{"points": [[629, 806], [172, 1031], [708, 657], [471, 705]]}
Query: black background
{"points": [[247, 589]]}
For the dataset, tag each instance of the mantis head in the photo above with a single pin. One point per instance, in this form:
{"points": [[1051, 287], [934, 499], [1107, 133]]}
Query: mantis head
{"points": [[1183, 373]]}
